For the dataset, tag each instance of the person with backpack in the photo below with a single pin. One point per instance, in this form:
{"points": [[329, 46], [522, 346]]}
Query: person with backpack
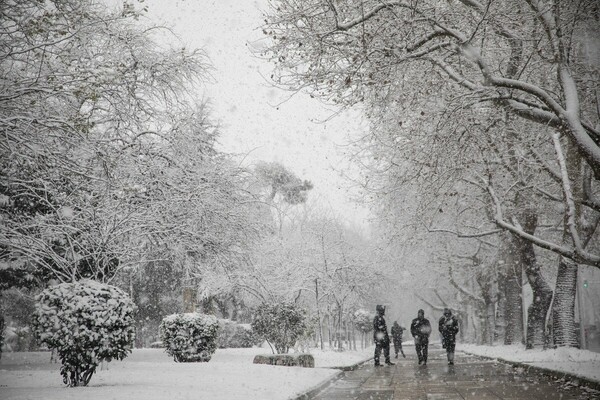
{"points": [[381, 337], [420, 328], [448, 327], [397, 332]]}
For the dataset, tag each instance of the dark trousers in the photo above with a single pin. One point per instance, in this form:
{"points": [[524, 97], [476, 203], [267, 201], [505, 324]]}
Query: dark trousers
{"points": [[421, 345], [449, 344], [398, 347], [382, 345]]}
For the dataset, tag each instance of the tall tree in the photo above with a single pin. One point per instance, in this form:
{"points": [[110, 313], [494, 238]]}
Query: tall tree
{"points": [[108, 159], [478, 58], [342, 51]]}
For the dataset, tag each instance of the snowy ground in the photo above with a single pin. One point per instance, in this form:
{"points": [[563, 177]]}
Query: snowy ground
{"points": [[582, 363], [150, 374]]}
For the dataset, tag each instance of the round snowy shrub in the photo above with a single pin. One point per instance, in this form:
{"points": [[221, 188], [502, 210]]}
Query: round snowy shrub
{"points": [[363, 320], [234, 335], [86, 322], [280, 324], [189, 337]]}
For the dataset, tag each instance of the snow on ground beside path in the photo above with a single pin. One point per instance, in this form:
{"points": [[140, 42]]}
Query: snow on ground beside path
{"points": [[582, 363], [329, 359], [150, 374]]}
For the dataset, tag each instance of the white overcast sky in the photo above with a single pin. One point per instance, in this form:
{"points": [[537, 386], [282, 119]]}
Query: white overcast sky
{"points": [[255, 116]]}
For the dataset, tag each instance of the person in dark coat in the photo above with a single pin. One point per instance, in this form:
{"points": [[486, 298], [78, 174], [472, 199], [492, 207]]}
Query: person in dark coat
{"points": [[420, 328], [397, 331], [448, 327], [380, 337]]}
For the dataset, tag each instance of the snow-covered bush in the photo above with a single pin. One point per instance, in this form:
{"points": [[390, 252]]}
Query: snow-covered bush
{"points": [[280, 324], [234, 335], [189, 337], [363, 320], [86, 322]]}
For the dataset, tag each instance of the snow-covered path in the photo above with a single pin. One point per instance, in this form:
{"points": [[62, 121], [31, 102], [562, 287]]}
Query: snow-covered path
{"points": [[471, 377]]}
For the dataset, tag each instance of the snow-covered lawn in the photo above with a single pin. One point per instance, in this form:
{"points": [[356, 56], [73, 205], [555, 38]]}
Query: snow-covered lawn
{"points": [[582, 363], [150, 374]]}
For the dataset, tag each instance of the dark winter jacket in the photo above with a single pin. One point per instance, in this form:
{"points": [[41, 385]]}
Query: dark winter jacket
{"points": [[380, 333], [397, 331], [448, 327], [420, 328]]}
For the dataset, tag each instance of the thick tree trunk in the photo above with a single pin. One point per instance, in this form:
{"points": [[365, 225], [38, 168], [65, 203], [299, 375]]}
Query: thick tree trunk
{"points": [[563, 308], [489, 292], [542, 293], [537, 313], [189, 299], [514, 310], [514, 294]]}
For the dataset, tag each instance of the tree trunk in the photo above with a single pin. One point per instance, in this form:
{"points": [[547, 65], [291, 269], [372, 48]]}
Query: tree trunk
{"points": [[339, 330], [189, 299], [500, 322], [563, 308], [1, 327], [542, 293], [514, 296], [490, 321], [489, 292], [329, 330], [319, 314]]}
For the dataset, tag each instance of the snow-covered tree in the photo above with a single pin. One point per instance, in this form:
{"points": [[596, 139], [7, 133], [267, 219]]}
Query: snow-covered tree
{"points": [[108, 159], [448, 87]]}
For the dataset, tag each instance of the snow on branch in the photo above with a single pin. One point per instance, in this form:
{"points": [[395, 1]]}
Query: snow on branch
{"points": [[368, 15], [464, 235], [579, 256], [567, 192], [462, 290]]}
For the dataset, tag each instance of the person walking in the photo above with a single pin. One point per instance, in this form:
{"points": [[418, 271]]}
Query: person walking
{"points": [[420, 328], [448, 327], [381, 337], [397, 332]]}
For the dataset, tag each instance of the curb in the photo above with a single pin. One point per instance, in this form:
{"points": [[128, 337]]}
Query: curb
{"points": [[353, 366], [559, 375], [310, 393]]}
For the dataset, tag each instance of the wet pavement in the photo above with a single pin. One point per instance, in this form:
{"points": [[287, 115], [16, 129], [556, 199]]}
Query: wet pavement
{"points": [[471, 378]]}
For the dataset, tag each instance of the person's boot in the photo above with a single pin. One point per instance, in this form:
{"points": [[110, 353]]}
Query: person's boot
{"points": [[396, 355], [388, 362], [403, 355], [450, 358]]}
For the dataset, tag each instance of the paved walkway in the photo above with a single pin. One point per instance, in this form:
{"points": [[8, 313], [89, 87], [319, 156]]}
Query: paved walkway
{"points": [[471, 378]]}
